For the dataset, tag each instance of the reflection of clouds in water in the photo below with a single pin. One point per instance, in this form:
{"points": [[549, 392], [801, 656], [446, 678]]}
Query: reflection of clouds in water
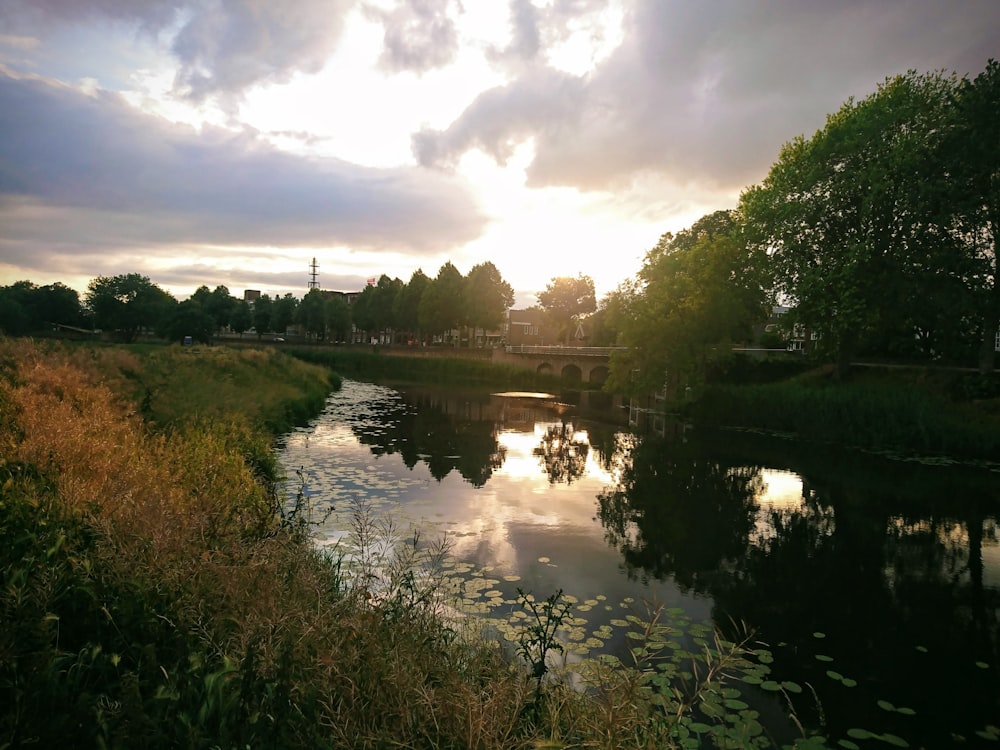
{"points": [[782, 490]]}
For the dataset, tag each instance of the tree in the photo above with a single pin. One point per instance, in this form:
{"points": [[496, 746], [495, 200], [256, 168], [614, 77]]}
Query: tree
{"points": [[406, 308], [241, 318], [17, 315], [566, 299], [189, 318], [283, 312], [221, 305], [312, 314], [698, 292], [487, 297], [853, 218], [262, 310], [442, 304], [338, 315], [975, 148], [127, 304]]}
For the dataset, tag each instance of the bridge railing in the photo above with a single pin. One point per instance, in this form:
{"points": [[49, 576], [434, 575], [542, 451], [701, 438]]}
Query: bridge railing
{"points": [[565, 351]]}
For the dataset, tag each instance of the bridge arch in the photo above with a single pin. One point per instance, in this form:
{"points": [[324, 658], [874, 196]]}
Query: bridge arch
{"points": [[544, 369], [598, 375], [572, 373]]}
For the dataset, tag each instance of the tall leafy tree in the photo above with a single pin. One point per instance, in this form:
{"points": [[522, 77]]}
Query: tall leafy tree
{"points": [[487, 297], [853, 216], [442, 306], [127, 304], [406, 308], [242, 317], [17, 308], [698, 292], [221, 305], [283, 312], [374, 309], [312, 314], [189, 318], [338, 314], [262, 309], [567, 299], [975, 149]]}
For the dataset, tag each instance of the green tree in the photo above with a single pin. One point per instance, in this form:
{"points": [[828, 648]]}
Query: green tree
{"points": [[853, 217], [221, 306], [312, 314], [974, 147], [189, 318], [127, 304], [262, 310], [241, 318], [487, 297], [17, 315], [58, 304], [373, 310], [406, 308], [283, 313], [566, 300], [698, 292], [338, 316], [442, 306]]}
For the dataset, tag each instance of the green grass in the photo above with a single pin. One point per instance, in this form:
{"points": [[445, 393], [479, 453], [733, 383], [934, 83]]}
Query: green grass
{"points": [[439, 369], [931, 413]]}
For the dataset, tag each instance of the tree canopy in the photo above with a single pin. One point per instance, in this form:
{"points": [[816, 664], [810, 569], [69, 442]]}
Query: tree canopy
{"points": [[565, 300], [698, 292]]}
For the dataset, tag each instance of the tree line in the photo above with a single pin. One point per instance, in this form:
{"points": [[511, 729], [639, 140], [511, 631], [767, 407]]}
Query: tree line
{"points": [[128, 305], [878, 233]]}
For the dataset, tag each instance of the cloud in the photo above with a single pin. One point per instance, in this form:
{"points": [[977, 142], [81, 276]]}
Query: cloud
{"points": [[706, 92], [420, 35], [222, 46], [89, 171]]}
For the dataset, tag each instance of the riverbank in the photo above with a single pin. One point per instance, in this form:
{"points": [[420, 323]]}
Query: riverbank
{"points": [[895, 411], [160, 592]]}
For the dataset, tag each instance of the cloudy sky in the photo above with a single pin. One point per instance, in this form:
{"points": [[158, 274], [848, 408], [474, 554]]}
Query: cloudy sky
{"points": [[233, 141]]}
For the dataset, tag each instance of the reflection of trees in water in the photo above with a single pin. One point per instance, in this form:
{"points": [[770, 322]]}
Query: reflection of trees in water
{"points": [[562, 454], [880, 557], [675, 513], [426, 428]]}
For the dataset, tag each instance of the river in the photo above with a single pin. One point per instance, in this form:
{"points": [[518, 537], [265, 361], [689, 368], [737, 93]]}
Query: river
{"points": [[874, 583]]}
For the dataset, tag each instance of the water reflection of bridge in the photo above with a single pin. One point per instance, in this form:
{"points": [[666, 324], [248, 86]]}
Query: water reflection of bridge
{"points": [[584, 364]]}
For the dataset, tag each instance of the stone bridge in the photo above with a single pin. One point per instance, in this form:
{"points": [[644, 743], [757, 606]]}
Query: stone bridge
{"points": [[584, 364]]}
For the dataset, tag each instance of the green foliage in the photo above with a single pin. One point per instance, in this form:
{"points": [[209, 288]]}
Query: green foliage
{"points": [[886, 416], [566, 300], [537, 638], [127, 304], [442, 304], [27, 308], [487, 296], [862, 225], [699, 292]]}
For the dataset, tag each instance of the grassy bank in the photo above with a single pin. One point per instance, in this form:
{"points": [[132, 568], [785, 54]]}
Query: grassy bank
{"points": [[158, 590], [898, 410], [357, 363]]}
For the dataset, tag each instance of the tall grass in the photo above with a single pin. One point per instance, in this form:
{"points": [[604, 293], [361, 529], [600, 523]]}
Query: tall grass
{"points": [[156, 592]]}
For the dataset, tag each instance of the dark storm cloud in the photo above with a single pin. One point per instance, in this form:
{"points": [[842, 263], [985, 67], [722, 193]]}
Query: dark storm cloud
{"points": [[420, 35], [707, 92], [90, 170], [222, 46]]}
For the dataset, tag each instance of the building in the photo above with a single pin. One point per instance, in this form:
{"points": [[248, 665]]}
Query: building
{"points": [[529, 328]]}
